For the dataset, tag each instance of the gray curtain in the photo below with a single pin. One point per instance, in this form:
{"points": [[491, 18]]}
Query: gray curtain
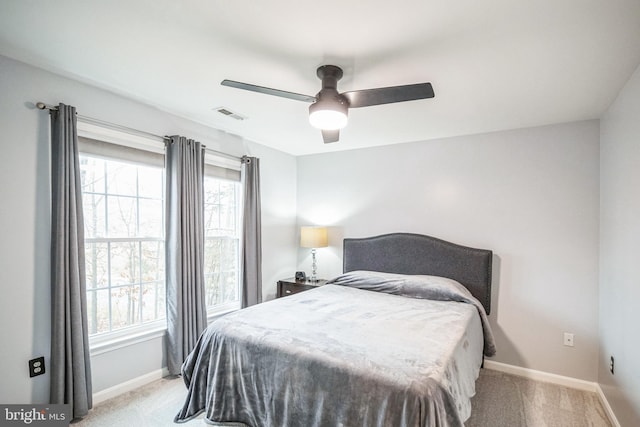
{"points": [[186, 308], [251, 233], [70, 369]]}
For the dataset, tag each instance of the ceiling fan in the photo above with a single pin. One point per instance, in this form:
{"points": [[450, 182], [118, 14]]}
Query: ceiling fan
{"points": [[328, 110]]}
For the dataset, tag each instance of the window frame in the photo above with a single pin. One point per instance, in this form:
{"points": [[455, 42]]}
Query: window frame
{"points": [[124, 337], [108, 341], [220, 162]]}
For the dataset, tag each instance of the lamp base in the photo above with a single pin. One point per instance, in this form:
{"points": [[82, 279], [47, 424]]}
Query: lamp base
{"points": [[314, 266]]}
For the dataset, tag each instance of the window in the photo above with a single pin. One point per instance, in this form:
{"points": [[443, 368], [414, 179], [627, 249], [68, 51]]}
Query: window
{"points": [[222, 243], [124, 215], [124, 243]]}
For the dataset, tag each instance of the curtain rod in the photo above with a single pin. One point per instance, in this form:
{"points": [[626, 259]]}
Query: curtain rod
{"points": [[43, 106]]}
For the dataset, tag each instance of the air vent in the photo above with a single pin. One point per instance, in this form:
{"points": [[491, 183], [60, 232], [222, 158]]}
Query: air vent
{"points": [[228, 113]]}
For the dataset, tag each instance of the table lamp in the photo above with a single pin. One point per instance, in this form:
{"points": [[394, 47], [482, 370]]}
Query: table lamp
{"points": [[313, 237]]}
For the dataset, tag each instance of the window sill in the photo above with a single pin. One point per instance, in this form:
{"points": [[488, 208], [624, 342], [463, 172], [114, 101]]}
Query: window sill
{"points": [[106, 344]]}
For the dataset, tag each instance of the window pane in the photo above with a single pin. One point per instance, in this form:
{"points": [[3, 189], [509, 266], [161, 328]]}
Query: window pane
{"points": [[124, 243], [221, 288], [94, 214], [211, 190], [230, 255], [150, 217], [92, 174], [212, 252], [124, 306], [221, 255], [222, 236], [122, 178], [227, 220], [98, 311], [153, 307], [211, 220], [96, 265], [150, 182], [229, 287], [122, 220], [125, 263], [211, 289], [152, 261], [227, 193]]}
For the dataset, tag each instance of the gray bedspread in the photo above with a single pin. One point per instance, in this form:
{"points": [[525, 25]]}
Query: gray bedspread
{"points": [[337, 356]]}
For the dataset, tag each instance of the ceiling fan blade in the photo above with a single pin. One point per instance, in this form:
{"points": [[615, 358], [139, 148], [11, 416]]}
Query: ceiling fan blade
{"points": [[330, 135], [388, 95], [269, 91]]}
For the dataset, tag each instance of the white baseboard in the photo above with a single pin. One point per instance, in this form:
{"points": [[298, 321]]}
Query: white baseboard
{"points": [[607, 407], [541, 376], [570, 382], [126, 386]]}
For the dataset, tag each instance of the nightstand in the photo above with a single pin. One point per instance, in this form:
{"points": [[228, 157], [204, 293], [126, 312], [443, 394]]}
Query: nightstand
{"points": [[292, 286]]}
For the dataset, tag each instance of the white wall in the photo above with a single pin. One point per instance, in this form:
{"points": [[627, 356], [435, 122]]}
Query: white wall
{"points": [[24, 219], [620, 253], [529, 195]]}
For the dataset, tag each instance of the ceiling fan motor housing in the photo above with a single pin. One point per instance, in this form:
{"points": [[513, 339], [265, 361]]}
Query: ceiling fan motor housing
{"points": [[329, 74], [330, 110]]}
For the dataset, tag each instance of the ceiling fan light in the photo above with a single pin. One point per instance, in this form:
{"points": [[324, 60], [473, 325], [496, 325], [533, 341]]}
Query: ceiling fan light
{"points": [[328, 115], [328, 119]]}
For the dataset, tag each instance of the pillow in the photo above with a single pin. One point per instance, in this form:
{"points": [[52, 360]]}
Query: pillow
{"points": [[413, 286]]}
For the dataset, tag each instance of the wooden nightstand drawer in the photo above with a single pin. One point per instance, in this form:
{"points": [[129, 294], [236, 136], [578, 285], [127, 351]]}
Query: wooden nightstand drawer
{"points": [[291, 286], [288, 288]]}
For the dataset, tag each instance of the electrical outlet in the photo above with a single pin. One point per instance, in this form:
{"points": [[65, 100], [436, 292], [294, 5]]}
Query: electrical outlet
{"points": [[568, 339], [611, 366], [36, 366]]}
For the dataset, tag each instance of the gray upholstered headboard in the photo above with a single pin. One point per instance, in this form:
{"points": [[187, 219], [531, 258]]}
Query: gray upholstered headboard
{"points": [[407, 253]]}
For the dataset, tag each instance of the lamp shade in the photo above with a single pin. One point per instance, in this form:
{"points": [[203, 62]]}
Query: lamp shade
{"points": [[313, 237], [328, 119], [328, 115]]}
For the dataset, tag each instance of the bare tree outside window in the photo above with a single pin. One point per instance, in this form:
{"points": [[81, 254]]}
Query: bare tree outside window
{"points": [[124, 215], [222, 241], [124, 239]]}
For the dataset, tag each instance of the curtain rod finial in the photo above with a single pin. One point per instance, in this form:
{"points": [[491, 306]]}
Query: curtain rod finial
{"points": [[41, 105]]}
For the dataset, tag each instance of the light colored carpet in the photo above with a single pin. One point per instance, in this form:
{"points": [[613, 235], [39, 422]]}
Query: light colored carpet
{"points": [[504, 400], [501, 400], [152, 405]]}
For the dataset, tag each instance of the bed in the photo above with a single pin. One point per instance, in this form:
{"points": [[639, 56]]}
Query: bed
{"points": [[397, 340]]}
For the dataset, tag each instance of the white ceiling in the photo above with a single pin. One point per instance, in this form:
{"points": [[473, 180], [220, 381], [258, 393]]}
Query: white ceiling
{"points": [[494, 64]]}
